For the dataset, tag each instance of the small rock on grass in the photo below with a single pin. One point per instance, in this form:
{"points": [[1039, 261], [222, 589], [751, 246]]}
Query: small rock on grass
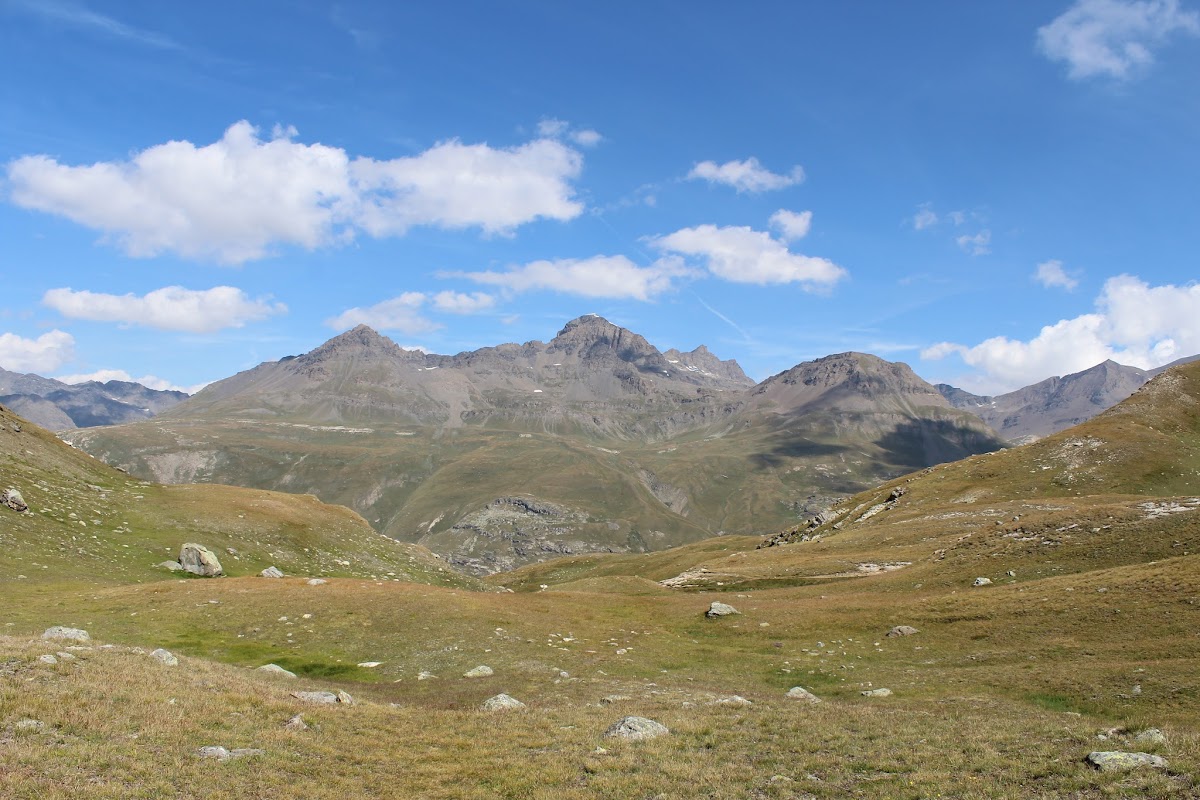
{"points": [[482, 671], [165, 656], [222, 754], [29, 726], [982, 582], [317, 581], [48, 659], [271, 572], [732, 700], [275, 669], [1151, 736], [296, 723], [902, 630], [1120, 761], [800, 693], [325, 698], [717, 609], [636, 729], [877, 693], [501, 702], [70, 634]]}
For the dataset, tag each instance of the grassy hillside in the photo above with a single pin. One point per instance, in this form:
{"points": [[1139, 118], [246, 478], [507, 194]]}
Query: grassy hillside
{"points": [[92, 524], [1084, 639]]}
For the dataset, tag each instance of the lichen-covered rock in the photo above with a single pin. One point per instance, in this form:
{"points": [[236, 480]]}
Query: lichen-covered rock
{"points": [[501, 702], [1120, 761], [13, 499], [636, 729], [69, 634], [800, 693], [324, 698], [199, 560], [275, 669], [902, 630], [1151, 736], [717, 609], [165, 656], [482, 671]]}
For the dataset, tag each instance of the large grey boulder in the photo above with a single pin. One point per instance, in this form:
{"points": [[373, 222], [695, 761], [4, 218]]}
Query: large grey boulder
{"points": [[636, 729], [199, 560], [69, 634], [12, 498], [1120, 761], [717, 609]]}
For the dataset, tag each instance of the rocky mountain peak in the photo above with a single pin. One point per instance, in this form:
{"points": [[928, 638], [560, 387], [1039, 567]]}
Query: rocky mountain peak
{"points": [[356, 342], [861, 373], [593, 335]]}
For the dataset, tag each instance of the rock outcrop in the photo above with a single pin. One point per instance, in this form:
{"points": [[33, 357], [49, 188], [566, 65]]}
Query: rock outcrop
{"points": [[199, 560]]}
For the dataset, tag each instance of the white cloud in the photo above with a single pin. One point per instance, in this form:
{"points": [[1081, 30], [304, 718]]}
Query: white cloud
{"points": [[1134, 323], [461, 303], [598, 276], [552, 128], [44, 354], [402, 313], [171, 308], [791, 225], [924, 218], [746, 176], [149, 381], [240, 197], [1051, 274], [744, 255], [957, 217], [1113, 38], [587, 138], [977, 245]]}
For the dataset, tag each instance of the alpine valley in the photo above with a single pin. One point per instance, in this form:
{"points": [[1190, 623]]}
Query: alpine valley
{"points": [[592, 442]]}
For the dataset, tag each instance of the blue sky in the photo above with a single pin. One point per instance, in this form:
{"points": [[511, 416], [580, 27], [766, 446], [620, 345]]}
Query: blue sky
{"points": [[992, 192]]}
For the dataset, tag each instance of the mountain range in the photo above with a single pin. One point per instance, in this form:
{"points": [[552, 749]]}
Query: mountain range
{"points": [[62, 406], [593, 441]]}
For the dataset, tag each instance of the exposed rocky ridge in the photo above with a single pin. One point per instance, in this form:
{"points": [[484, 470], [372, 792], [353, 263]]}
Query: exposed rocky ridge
{"points": [[641, 450], [593, 376], [1054, 404], [62, 406]]}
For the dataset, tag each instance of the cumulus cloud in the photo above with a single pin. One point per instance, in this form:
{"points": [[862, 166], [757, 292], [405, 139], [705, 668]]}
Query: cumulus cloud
{"points": [[402, 313], [599, 276], [587, 138], [1113, 38], [44, 354], [977, 245], [462, 303], [171, 308], [149, 381], [1051, 274], [1134, 323], [746, 176], [791, 225], [744, 255], [239, 198]]}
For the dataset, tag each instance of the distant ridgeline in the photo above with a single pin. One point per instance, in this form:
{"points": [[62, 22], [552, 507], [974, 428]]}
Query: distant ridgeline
{"points": [[61, 406], [595, 441]]}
